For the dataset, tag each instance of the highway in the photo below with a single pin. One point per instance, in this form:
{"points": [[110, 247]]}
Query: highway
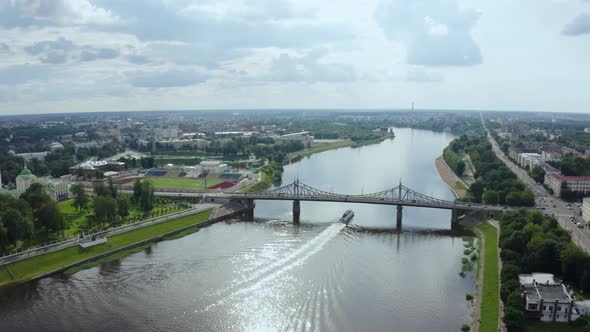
{"points": [[552, 206]]}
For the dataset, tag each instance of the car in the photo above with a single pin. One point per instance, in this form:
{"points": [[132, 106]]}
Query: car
{"points": [[579, 225]]}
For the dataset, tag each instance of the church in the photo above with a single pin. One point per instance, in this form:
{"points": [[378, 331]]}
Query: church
{"points": [[57, 190]]}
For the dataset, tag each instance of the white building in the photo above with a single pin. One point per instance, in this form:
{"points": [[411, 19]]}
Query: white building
{"points": [[556, 181], [297, 137], [529, 160], [212, 166], [183, 143], [32, 155], [545, 299], [586, 210], [56, 146], [57, 190]]}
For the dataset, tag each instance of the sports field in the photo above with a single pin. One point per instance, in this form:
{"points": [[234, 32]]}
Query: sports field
{"points": [[164, 182]]}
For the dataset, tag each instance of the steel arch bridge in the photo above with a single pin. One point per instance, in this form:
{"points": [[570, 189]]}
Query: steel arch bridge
{"points": [[399, 195]]}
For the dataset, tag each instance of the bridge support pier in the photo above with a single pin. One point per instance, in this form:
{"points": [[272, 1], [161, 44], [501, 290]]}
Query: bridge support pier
{"points": [[398, 224], [296, 211], [454, 218], [249, 213]]}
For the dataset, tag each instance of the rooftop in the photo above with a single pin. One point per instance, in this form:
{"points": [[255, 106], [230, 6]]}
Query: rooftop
{"points": [[570, 178]]}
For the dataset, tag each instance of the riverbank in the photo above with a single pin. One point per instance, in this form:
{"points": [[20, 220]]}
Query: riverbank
{"points": [[488, 288], [41, 266], [455, 183]]}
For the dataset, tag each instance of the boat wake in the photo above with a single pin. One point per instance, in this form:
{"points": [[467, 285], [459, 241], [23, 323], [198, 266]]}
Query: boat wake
{"points": [[278, 268]]}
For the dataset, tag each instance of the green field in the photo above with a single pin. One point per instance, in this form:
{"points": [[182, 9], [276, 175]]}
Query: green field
{"points": [[35, 266], [264, 183], [490, 302], [164, 182]]}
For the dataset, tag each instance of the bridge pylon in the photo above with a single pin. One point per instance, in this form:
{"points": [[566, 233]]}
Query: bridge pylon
{"points": [[398, 223], [296, 211]]}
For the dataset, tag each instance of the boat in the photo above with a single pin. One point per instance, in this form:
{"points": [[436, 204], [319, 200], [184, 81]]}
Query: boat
{"points": [[347, 216]]}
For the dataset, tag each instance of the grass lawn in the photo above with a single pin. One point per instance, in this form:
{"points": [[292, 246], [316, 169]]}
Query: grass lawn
{"points": [[183, 183], [538, 326], [29, 268], [459, 185], [490, 303]]}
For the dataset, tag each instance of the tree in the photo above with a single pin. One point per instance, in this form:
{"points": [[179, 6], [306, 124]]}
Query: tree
{"points": [[105, 209], [476, 189], [80, 197], [52, 219], [538, 174], [491, 197], [146, 200], [123, 206], [100, 189], [112, 188], [514, 319], [137, 189]]}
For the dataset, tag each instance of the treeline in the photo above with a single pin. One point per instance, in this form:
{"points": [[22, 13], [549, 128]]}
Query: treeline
{"points": [[532, 242], [32, 218], [453, 160], [496, 183], [571, 165]]}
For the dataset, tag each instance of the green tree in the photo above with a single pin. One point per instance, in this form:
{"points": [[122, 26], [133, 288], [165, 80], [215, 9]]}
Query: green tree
{"points": [[80, 197], [476, 189], [538, 174], [112, 188], [105, 209], [100, 189], [146, 200], [137, 189], [122, 206], [491, 197], [52, 219]]}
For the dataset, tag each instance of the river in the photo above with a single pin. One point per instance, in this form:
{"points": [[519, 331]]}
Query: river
{"points": [[270, 275]]}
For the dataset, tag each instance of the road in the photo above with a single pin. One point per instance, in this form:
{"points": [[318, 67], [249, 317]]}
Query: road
{"points": [[551, 206]]}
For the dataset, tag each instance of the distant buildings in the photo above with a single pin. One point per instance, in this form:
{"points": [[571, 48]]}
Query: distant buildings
{"points": [[32, 155], [557, 182], [56, 146], [184, 143]]}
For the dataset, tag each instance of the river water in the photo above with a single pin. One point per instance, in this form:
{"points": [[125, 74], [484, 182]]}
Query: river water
{"points": [[270, 275]]}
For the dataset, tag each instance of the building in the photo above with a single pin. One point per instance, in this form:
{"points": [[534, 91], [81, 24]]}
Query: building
{"points": [[90, 168], [529, 160], [212, 166], [546, 300], [56, 146], [565, 150], [32, 155], [551, 152], [57, 190], [295, 137], [586, 210], [184, 143], [557, 182]]}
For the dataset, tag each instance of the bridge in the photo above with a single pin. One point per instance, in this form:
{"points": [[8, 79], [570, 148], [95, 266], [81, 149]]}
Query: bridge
{"points": [[399, 196]]}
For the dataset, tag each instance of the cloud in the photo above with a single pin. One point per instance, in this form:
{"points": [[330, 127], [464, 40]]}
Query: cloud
{"points": [[419, 75], [99, 53], [4, 48], [62, 50], [579, 25], [52, 12], [288, 68], [165, 79], [138, 59], [435, 33], [20, 74]]}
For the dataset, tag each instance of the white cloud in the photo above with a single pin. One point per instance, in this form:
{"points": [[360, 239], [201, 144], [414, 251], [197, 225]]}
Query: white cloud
{"points": [[15, 13], [435, 33], [580, 25]]}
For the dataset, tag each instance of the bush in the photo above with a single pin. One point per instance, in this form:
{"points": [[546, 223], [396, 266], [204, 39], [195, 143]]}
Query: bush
{"points": [[465, 327]]}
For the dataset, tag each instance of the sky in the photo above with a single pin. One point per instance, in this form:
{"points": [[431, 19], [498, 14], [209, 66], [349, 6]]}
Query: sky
{"points": [[113, 55]]}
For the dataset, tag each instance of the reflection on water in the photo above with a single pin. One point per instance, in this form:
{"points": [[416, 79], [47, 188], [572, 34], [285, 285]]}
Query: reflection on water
{"points": [[270, 275]]}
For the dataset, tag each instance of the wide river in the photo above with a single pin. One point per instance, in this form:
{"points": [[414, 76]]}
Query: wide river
{"points": [[270, 275]]}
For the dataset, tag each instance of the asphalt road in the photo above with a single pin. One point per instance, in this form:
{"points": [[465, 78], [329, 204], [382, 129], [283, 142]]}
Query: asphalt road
{"points": [[549, 205]]}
